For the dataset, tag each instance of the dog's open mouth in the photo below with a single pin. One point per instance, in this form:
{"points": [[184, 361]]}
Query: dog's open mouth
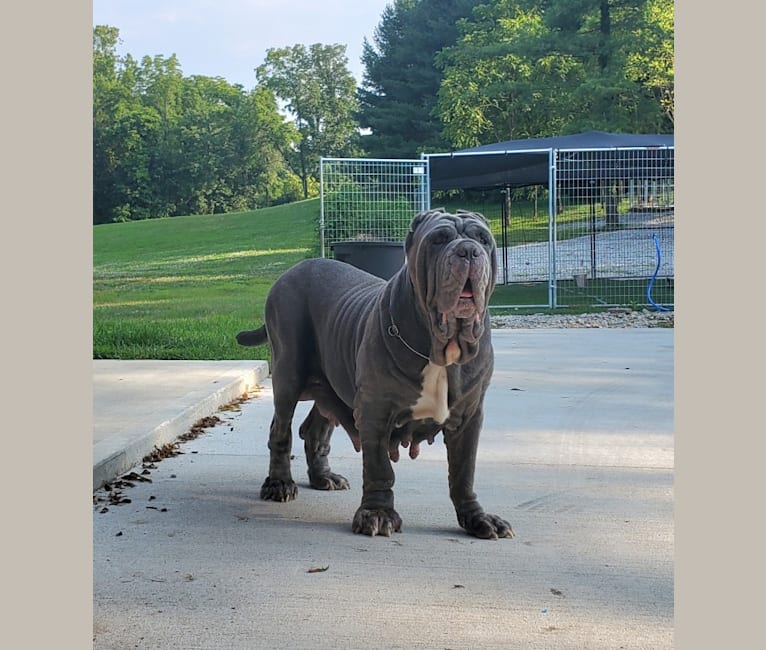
{"points": [[460, 324], [463, 306], [458, 307], [466, 305]]}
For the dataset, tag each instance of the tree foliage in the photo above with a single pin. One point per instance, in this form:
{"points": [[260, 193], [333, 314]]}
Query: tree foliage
{"points": [[319, 92], [165, 144], [652, 66], [529, 68], [401, 79], [439, 74]]}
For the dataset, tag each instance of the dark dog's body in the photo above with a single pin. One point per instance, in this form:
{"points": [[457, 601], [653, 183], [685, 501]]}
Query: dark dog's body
{"points": [[392, 362]]}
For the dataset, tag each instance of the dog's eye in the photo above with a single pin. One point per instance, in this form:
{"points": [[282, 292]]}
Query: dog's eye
{"points": [[440, 238]]}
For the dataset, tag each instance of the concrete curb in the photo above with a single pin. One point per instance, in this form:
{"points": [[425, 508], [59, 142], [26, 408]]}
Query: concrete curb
{"points": [[130, 452]]}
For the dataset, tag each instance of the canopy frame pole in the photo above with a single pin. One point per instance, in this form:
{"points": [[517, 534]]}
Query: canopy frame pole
{"points": [[552, 289]]}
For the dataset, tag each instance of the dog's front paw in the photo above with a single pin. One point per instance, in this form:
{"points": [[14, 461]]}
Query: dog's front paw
{"points": [[329, 481], [278, 490], [485, 526], [382, 521]]}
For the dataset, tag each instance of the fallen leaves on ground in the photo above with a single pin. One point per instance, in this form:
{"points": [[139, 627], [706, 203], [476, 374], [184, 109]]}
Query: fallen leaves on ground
{"points": [[114, 495], [318, 569]]}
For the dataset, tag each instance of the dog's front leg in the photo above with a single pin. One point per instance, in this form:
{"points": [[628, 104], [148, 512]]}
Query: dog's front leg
{"points": [[376, 514], [462, 442]]}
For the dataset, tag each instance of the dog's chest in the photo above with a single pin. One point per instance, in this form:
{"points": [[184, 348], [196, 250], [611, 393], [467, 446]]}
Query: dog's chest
{"points": [[432, 402]]}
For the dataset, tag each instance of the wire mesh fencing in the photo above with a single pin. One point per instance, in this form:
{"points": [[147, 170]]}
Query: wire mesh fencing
{"points": [[599, 234], [364, 200], [604, 239], [614, 227]]}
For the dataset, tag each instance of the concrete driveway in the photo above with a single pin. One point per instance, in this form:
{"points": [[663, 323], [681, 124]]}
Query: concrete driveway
{"points": [[576, 451]]}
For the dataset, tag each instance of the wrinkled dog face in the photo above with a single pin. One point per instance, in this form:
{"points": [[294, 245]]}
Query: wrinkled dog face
{"points": [[452, 259]]}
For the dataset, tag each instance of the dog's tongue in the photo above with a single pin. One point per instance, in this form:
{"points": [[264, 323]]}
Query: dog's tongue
{"points": [[466, 293]]}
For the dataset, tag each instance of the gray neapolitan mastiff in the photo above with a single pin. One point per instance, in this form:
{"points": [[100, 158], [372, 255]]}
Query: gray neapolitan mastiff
{"points": [[392, 362]]}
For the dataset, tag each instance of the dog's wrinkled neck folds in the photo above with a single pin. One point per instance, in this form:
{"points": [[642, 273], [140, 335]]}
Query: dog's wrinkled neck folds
{"points": [[393, 329]]}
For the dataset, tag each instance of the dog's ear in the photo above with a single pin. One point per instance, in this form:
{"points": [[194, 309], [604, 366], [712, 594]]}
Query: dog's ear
{"points": [[422, 216], [417, 220], [475, 215]]}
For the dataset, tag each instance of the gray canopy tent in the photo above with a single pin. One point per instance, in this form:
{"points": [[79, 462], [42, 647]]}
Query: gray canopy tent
{"points": [[518, 163]]}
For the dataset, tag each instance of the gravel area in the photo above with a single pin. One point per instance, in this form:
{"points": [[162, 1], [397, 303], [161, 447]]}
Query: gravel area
{"points": [[610, 318], [630, 252]]}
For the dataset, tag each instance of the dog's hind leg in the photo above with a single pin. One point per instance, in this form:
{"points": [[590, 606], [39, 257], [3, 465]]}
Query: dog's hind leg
{"points": [[316, 431], [279, 484]]}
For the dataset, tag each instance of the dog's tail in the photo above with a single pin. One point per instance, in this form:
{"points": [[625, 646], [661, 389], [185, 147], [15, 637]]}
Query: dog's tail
{"points": [[253, 337]]}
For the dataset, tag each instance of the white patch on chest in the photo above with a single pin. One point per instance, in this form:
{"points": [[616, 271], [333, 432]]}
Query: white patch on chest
{"points": [[432, 402]]}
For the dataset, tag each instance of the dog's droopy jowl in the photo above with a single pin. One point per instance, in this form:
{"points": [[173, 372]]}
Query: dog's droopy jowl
{"points": [[393, 363]]}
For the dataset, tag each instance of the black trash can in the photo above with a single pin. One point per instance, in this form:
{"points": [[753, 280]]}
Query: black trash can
{"points": [[381, 258]]}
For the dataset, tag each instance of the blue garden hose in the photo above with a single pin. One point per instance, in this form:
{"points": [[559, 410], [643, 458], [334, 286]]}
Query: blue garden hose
{"points": [[654, 277]]}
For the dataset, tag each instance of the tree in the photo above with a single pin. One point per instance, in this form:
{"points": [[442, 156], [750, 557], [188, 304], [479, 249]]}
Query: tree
{"points": [[262, 140], [233, 147], [529, 68], [165, 145], [401, 78], [652, 64], [605, 35], [502, 81], [123, 130], [104, 96], [319, 93], [160, 86]]}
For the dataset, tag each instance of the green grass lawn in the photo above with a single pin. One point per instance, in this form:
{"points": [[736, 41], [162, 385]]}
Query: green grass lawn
{"points": [[598, 295], [182, 287]]}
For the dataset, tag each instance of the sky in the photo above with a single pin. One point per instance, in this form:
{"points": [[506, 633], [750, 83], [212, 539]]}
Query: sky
{"points": [[229, 38]]}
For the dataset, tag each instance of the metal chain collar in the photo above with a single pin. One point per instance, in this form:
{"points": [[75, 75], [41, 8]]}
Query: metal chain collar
{"points": [[393, 330]]}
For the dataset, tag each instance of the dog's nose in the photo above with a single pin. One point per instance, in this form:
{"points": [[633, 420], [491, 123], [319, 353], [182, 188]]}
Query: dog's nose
{"points": [[468, 249]]}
